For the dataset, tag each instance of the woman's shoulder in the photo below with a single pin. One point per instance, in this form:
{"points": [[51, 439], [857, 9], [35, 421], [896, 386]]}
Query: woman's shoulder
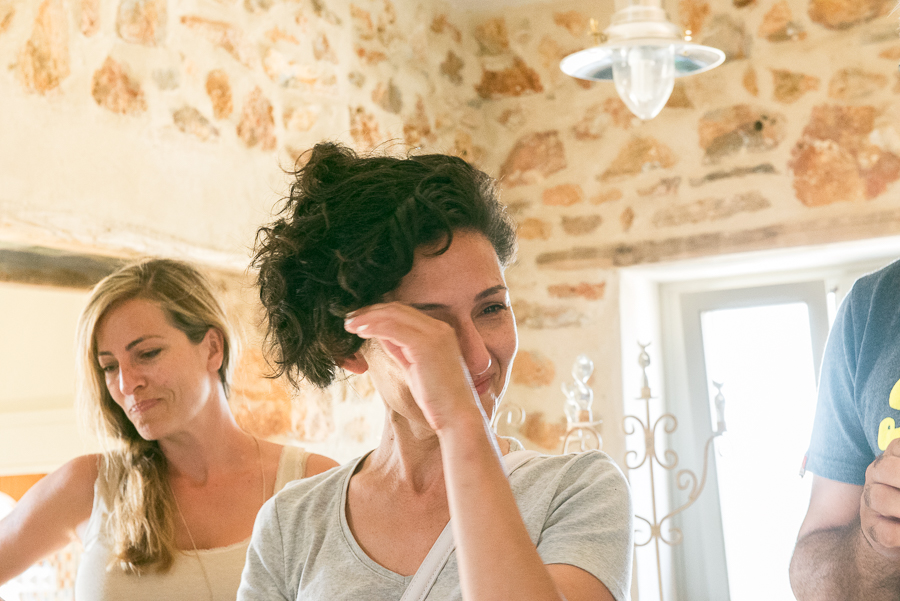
{"points": [[588, 468]]}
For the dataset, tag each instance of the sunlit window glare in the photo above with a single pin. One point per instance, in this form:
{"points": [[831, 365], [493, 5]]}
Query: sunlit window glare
{"points": [[764, 357]]}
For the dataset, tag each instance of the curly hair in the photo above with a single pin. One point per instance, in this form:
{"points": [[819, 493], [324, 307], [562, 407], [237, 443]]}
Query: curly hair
{"points": [[347, 235]]}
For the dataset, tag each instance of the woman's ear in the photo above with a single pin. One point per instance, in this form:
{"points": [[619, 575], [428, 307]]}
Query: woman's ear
{"points": [[355, 363], [215, 341]]}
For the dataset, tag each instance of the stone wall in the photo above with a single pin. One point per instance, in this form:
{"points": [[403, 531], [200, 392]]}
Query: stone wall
{"points": [[153, 126]]}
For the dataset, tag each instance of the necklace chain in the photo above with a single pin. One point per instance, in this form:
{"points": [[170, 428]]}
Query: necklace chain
{"points": [[262, 473]]}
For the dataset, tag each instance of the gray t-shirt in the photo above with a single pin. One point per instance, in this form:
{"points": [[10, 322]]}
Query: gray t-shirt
{"points": [[859, 389], [576, 508]]}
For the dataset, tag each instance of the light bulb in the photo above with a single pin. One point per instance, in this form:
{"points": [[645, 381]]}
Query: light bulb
{"points": [[645, 77]]}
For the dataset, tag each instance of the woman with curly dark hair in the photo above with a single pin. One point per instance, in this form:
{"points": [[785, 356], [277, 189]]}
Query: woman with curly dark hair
{"points": [[395, 267]]}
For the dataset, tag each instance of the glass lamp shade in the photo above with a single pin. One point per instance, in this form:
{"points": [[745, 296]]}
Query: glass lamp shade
{"points": [[644, 77]]}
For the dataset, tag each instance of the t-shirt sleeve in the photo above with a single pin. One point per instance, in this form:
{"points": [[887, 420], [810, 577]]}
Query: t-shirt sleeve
{"points": [[590, 523], [839, 449], [264, 576]]}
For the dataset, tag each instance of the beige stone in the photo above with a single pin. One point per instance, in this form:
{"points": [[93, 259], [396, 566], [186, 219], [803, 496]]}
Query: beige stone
{"points": [[464, 147], [679, 98], [89, 23], [492, 37], [301, 118], [834, 161], [575, 22], [750, 81], [44, 60], [512, 118], [788, 87], [626, 219], [563, 195], [545, 434], [842, 14], [388, 97], [533, 158], [714, 176], [142, 21], [322, 49], [579, 225], [370, 57], [191, 121], [640, 154], [548, 317], [855, 84], [218, 88], [534, 229], [608, 195], [356, 78], [533, 369], [693, 14], [593, 124], [710, 209], [667, 186], [115, 91], [417, 128], [257, 125], [323, 12], [729, 35], [363, 25], [586, 290], [737, 128], [451, 67], [778, 24], [440, 24], [224, 35], [364, 128], [516, 80]]}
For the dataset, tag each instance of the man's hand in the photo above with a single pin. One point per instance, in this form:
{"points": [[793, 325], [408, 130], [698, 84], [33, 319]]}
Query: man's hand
{"points": [[879, 506]]}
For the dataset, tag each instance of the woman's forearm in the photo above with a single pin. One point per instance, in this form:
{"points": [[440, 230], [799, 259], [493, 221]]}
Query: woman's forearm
{"points": [[496, 557]]}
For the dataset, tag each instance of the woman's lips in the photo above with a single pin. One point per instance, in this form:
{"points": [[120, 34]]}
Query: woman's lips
{"points": [[483, 385], [142, 406]]}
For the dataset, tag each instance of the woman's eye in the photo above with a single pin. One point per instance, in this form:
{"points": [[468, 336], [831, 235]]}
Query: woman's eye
{"points": [[108, 369], [496, 308], [150, 354]]}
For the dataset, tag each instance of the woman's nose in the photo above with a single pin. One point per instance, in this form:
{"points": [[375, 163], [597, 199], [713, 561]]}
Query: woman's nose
{"points": [[474, 350], [130, 379]]}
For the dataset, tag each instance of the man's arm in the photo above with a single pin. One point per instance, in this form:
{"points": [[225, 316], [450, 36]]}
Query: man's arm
{"points": [[849, 541]]}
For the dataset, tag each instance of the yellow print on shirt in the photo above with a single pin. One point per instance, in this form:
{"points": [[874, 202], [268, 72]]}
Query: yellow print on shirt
{"points": [[887, 430]]}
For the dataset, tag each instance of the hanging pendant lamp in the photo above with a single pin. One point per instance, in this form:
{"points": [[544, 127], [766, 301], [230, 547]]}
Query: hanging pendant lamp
{"points": [[642, 52]]}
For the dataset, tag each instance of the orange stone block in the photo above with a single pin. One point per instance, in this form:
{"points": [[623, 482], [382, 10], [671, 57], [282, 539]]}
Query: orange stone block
{"points": [[534, 229], [729, 130], [257, 125], [90, 17], [854, 84], [563, 195], [843, 14], [218, 88], [575, 22], [533, 369], [579, 225], [364, 128], [44, 60], [517, 80], [492, 37], [834, 161], [221, 34], [626, 219], [191, 121], [607, 196], [115, 91], [545, 434], [451, 67], [693, 14], [778, 24], [582, 290]]}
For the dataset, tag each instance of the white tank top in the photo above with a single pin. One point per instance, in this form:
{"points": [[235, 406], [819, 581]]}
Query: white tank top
{"points": [[184, 581]]}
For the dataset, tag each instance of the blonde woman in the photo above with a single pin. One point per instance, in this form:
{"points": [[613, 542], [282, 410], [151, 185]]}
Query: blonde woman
{"points": [[167, 513]]}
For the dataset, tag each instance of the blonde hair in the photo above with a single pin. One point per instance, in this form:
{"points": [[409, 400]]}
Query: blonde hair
{"points": [[134, 470]]}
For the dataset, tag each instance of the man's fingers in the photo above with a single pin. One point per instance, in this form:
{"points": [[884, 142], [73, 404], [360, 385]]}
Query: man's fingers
{"points": [[884, 470], [883, 500]]}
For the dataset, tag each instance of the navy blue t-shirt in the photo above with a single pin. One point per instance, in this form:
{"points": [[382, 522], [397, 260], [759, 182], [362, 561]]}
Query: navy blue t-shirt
{"points": [[858, 410]]}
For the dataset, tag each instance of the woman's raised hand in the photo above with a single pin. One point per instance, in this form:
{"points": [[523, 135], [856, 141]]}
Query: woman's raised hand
{"points": [[427, 353]]}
